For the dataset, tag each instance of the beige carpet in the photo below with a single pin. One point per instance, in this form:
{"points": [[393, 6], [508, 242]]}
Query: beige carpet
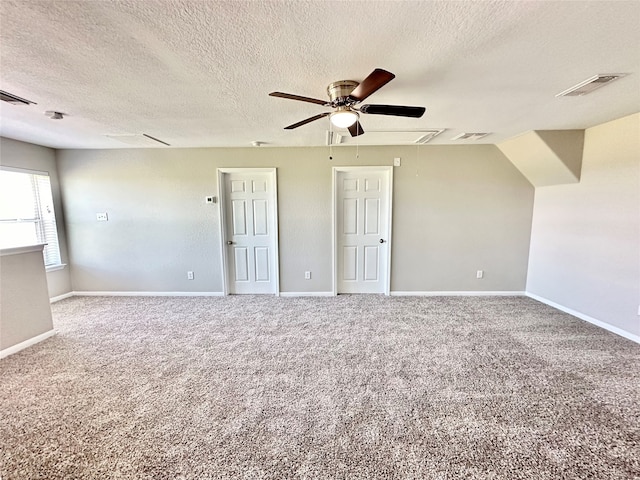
{"points": [[351, 387]]}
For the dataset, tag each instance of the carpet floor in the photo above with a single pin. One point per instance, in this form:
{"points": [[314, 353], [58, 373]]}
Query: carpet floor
{"points": [[347, 387]]}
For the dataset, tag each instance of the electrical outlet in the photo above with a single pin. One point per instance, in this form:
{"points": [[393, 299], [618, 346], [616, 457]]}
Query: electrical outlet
{"points": [[307, 275], [102, 217], [209, 199], [480, 274], [189, 275]]}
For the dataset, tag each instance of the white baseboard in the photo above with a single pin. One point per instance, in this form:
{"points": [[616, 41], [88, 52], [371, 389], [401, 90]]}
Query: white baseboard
{"points": [[306, 294], [586, 318], [145, 294], [458, 294], [27, 343], [61, 297], [90, 293]]}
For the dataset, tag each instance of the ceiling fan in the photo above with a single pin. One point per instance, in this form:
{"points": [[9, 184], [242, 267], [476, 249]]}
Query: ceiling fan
{"points": [[345, 95]]}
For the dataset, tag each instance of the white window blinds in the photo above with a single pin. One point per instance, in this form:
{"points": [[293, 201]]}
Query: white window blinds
{"points": [[26, 212]]}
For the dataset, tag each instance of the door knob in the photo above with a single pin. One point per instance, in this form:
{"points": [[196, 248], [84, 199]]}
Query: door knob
{"points": [[382, 240], [229, 242]]}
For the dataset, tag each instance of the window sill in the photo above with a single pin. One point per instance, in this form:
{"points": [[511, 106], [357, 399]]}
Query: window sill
{"points": [[54, 268]]}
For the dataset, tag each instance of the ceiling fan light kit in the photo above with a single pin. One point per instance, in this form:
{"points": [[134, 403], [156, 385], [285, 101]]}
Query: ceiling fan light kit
{"points": [[344, 117], [345, 95]]}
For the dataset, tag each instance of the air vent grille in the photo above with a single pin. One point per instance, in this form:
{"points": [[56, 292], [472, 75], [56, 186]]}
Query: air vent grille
{"points": [[428, 136], [14, 99], [333, 138], [390, 137], [470, 136], [590, 84]]}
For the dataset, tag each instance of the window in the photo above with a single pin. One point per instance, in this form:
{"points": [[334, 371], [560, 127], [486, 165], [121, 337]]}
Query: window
{"points": [[26, 212]]}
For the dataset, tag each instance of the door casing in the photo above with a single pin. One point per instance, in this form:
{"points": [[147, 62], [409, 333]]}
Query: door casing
{"points": [[223, 222], [335, 229]]}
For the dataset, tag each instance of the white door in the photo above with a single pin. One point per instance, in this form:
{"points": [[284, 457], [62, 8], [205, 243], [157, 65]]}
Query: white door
{"points": [[249, 226], [362, 199]]}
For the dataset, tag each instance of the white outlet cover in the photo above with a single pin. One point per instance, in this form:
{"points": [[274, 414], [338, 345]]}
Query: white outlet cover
{"points": [[102, 217]]}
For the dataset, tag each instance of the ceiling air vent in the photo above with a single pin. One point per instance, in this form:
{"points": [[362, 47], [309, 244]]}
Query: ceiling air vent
{"points": [[14, 99], [333, 138], [470, 136], [390, 137], [428, 136], [590, 84]]}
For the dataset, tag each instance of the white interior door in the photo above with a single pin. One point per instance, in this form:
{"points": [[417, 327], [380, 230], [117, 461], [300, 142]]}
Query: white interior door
{"points": [[249, 226], [362, 200]]}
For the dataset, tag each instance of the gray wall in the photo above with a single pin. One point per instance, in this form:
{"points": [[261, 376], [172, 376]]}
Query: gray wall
{"points": [[33, 157], [456, 209], [585, 241]]}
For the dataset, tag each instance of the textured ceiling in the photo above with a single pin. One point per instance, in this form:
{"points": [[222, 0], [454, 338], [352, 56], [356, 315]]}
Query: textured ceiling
{"points": [[198, 73]]}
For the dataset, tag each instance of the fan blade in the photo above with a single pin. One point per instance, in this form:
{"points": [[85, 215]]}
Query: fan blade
{"points": [[298, 97], [376, 79], [396, 110], [356, 129], [308, 120]]}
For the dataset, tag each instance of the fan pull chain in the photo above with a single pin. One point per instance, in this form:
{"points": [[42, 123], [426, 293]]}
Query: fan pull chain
{"points": [[330, 140]]}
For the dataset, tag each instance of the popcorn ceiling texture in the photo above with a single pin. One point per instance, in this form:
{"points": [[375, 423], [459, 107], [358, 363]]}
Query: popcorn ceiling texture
{"points": [[347, 387], [197, 73]]}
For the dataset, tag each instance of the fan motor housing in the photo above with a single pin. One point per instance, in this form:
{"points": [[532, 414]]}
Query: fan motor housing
{"points": [[339, 91]]}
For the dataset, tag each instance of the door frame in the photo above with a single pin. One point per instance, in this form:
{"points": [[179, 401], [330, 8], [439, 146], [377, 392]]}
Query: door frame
{"points": [[334, 212], [223, 222]]}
